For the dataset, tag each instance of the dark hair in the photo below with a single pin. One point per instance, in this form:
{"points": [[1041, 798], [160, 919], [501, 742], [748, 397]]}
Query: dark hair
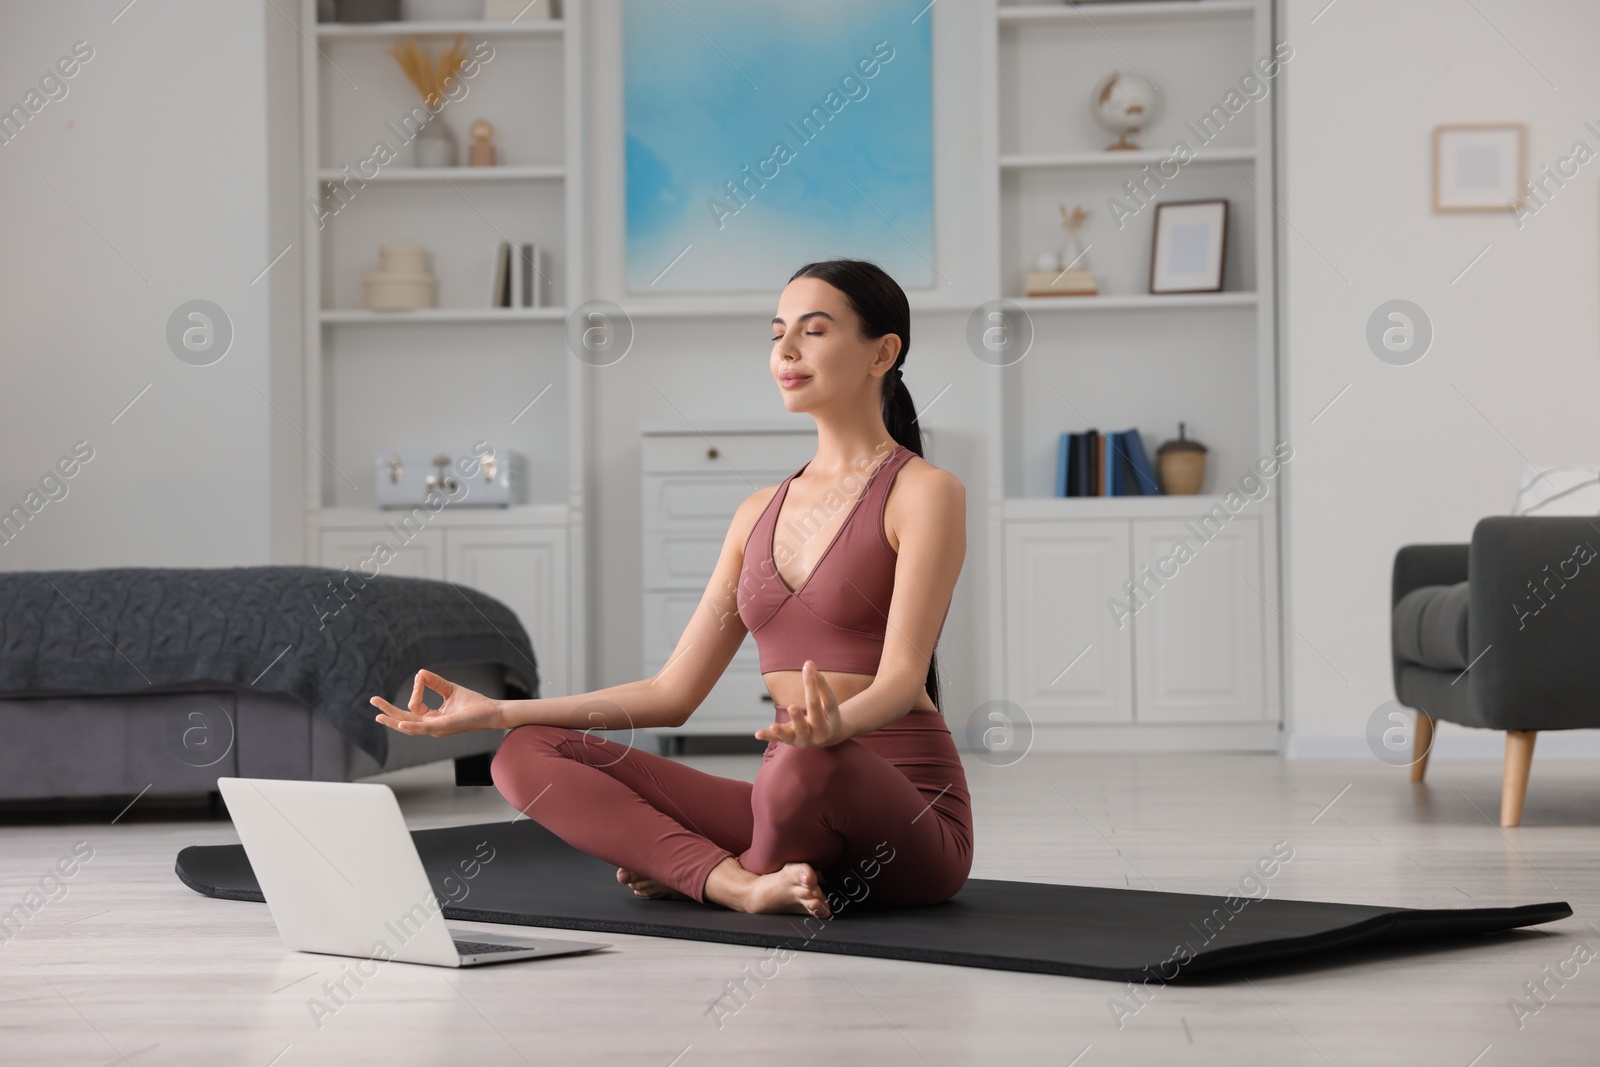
{"points": [[882, 308]]}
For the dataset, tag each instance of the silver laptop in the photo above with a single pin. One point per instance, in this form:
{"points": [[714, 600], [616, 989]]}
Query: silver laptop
{"points": [[341, 875]]}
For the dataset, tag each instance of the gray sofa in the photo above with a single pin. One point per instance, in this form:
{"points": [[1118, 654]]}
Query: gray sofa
{"points": [[181, 738], [1501, 634]]}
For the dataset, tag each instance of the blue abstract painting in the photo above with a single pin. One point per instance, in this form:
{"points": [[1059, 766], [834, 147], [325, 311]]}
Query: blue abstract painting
{"points": [[759, 137]]}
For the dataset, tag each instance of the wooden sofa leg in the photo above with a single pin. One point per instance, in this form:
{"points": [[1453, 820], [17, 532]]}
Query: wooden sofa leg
{"points": [[1423, 744], [1514, 785]]}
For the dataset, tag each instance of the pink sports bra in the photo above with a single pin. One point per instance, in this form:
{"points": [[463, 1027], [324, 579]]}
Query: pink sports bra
{"points": [[838, 618]]}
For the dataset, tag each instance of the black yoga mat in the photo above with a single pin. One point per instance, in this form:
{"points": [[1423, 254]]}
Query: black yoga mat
{"points": [[536, 879]]}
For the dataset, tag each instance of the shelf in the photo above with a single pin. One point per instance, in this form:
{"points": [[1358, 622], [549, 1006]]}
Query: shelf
{"points": [[1087, 14], [1135, 301], [1114, 507], [350, 31], [734, 305], [362, 317], [332, 518], [759, 304], [406, 175], [1027, 160]]}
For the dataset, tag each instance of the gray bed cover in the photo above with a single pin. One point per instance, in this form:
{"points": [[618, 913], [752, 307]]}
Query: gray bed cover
{"points": [[331, 638]]}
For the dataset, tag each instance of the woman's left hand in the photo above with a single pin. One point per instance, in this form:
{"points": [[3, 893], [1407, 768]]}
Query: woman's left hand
{"points": [[818, 723]]}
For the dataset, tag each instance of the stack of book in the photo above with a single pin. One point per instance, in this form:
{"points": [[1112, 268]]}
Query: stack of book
{"points": [[1061, 283], [519, 278], [1097, 464]]}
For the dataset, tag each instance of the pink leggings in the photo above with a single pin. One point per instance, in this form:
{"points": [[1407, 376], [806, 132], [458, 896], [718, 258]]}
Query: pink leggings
{"points": [[859, 819]]}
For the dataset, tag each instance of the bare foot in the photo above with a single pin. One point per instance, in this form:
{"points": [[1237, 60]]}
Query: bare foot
{"points": [[648, 887], [794, 887]]}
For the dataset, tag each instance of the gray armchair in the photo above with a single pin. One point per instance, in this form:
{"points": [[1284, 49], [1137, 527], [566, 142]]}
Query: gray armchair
{"points": [[1501, 634]]}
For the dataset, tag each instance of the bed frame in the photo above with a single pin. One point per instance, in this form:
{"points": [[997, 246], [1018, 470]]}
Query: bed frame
{"points": [[162, 740]]}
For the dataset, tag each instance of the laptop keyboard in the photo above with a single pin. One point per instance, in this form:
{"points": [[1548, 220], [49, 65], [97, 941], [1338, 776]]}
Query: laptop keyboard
{"points": [[479, 948]]}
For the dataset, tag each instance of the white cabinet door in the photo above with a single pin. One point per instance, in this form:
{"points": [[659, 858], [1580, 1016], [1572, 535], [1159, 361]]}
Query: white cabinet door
{"points": [[354, 546], [737, 704], [667, 616], [1198, 636], [682, 559], [525, 568], [1067, 661], [698, 501]]}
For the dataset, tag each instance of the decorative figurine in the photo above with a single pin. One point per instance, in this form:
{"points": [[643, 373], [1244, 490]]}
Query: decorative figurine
{"points": [[481, 152]]}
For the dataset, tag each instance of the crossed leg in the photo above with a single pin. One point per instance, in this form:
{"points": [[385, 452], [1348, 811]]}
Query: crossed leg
{"points": [[640, 811], [842, 809], [854, 816]]}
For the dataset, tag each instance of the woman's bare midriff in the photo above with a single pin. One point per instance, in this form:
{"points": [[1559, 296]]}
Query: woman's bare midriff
{"points": [[786, 687]]}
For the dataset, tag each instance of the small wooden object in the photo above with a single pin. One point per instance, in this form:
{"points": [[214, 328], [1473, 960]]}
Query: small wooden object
{"points": [[481, 153], [1183, 465]]}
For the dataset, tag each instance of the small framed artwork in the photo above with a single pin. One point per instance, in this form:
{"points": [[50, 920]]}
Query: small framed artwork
{"points": [[1478, 167], [1189, 247]]}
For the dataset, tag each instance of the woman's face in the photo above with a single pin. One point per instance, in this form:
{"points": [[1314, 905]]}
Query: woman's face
{"points": [[818, 353]]}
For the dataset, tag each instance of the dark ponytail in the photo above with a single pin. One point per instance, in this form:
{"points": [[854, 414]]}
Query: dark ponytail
{"points": [[882, 308]]}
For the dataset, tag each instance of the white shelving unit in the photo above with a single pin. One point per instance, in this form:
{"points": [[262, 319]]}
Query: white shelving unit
{"points": [[1196, 665], [461, 371]]}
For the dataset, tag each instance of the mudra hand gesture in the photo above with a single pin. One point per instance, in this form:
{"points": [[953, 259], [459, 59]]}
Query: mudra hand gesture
{"points": [[817, 723], [462, 710]]}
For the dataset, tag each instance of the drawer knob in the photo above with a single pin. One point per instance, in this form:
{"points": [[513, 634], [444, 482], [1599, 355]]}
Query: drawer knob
{"points": [[712, 453]]}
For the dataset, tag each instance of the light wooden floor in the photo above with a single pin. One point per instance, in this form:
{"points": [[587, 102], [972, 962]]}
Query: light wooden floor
{"points": [[132, 967]]}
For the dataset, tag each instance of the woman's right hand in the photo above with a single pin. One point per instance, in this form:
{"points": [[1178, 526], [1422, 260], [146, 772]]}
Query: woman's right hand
{"points": [[462, 710]]}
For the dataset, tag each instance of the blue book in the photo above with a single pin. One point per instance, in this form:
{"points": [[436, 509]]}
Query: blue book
{"points": [[1121, 479], [1108, 455], [1063, 463], [1144, 478]]}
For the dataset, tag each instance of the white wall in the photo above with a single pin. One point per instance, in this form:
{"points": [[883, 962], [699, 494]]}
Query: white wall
{"points": [[145, 186], [1420, 453]]}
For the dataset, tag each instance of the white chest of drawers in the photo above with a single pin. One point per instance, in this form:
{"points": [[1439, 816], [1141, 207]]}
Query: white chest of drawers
{"points": [[693, 479]]}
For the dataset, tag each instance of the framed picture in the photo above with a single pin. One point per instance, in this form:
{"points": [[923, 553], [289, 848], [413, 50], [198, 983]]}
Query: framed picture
{"points": [[1478, 167], [745, 157], [1190, 246]]}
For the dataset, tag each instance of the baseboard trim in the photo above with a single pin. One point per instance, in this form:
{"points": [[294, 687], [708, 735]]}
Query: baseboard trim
{"points": [[1451, 741]]}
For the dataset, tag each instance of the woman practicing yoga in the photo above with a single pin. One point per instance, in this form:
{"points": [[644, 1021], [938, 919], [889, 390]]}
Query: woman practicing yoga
{"points": [[846, 586]]}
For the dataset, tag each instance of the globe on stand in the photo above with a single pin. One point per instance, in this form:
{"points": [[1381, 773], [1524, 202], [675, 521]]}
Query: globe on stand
{"points": [[1124, 103]]}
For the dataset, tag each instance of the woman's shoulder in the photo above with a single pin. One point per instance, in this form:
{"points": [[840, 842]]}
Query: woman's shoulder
{"points": [[923, 496], [930, 479]]}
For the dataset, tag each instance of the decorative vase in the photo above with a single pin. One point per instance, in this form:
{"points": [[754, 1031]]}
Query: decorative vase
{"points": [[1183, 465], [436, 145]]}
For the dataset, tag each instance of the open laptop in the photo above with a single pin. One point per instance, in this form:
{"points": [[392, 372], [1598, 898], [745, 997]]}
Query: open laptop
{"points": [[341, 875]]}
